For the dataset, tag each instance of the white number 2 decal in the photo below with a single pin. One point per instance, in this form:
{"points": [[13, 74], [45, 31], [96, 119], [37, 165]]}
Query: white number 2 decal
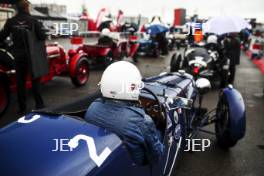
{"points": [[98, 159], [24, 120]]}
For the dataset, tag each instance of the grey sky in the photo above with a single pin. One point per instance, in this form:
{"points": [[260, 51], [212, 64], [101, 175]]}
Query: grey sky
{"points": [[164, 8]]}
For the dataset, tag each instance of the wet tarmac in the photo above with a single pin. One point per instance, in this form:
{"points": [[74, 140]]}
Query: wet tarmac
{"points": [[245, 159]]}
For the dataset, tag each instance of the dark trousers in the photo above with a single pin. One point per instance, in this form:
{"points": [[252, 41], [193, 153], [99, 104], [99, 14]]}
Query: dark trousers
{"points": [[21, 75], [232, 70]]}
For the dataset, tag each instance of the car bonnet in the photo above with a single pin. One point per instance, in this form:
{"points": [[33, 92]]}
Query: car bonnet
{"points": [[29, 146]]}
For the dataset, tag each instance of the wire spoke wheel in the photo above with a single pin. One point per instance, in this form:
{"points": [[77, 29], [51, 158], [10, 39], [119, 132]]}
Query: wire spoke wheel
{"points": [[81, 72]]}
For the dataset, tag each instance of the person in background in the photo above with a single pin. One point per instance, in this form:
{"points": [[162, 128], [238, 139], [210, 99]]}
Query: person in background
{"points": [[245, 38], [13, 27], [106, 38], [118, 112], [232, 51], [212, 43], [162, 42], [190, 36]]}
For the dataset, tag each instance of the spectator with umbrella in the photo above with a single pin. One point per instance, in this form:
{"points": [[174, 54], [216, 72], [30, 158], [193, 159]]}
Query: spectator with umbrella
{"points": [[228, 26], [232, 51], [158, 30]]}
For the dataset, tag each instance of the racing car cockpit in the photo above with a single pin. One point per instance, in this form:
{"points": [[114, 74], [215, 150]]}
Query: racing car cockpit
{"points": [[193, 53], [108, 39], [152, 98], [105, 40], [150, 102]]}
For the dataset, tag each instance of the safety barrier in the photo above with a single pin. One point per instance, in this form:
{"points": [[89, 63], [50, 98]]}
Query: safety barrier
{"points": [[258, 62]]}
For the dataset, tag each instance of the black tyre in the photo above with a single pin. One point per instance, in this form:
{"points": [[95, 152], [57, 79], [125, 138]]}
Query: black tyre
{"points": [[222, 125], [185, 63], [81, 72], [175, 63], [4, 96]]}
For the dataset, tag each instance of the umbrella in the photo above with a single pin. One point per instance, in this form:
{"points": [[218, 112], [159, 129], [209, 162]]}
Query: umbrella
{"points": [[156, 26], [156, 29], [225, 24]]}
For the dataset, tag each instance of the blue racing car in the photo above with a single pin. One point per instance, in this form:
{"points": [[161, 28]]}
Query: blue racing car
{"points": [[148, 46], [59, 142]]}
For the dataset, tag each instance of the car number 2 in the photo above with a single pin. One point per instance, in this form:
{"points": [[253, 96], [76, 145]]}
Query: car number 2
{"points": [[98, 159]]}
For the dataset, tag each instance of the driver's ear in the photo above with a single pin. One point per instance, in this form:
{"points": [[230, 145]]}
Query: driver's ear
{"points": [[141, 85]]}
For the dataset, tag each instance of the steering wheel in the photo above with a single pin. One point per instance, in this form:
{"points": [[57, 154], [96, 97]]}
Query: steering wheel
{"points": [[159, 106]]}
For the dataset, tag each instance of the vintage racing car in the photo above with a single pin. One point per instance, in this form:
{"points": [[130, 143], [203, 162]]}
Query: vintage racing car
{"points": [[59, 142], [103, 54], [177, 37], [59, 65], [148, 46], [202, 62]]}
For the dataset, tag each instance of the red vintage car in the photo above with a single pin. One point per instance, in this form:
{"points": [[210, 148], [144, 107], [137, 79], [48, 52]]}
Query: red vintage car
{"points": [[77, 68], [105, 54]]}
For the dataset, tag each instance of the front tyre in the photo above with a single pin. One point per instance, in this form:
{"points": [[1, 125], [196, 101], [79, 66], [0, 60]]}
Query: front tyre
{"points": [[175, 63], [81, 72], [222, 125]]}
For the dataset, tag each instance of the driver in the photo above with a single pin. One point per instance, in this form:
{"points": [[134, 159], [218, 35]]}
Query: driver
{"points": [[106, 38], [117, 112], [212, 43]]}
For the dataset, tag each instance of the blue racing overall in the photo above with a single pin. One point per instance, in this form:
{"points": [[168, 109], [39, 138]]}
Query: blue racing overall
{"points": [[131, 124]]}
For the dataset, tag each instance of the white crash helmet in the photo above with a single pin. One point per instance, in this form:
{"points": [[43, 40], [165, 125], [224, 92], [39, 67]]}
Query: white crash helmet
{"points": [[106, 32], [121, 80], [212, 39]]}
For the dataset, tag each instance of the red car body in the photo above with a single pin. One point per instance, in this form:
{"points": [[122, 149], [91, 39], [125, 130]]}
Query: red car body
{"points": [[105, 54]]}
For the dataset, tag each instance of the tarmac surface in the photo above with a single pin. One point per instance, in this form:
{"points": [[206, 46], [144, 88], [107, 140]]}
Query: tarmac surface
{"points": [[245, 159]]}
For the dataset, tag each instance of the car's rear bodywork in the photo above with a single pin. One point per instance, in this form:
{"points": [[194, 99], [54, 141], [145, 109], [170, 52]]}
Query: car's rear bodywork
{"points": [[148, 47], [33, 143]]}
